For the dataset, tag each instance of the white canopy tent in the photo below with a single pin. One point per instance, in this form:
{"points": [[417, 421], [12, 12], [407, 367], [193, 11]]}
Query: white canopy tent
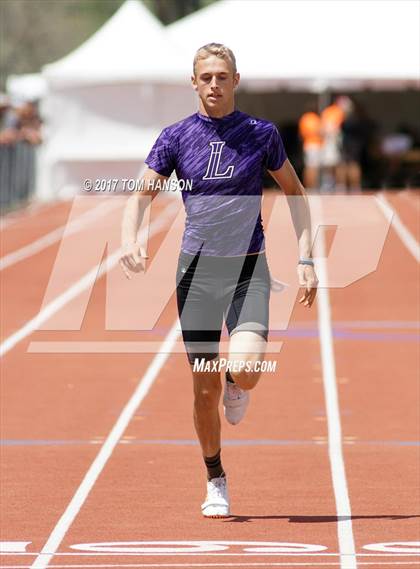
{"points": [[26, 87], [130, 46], [313, 45], [108, 100]]}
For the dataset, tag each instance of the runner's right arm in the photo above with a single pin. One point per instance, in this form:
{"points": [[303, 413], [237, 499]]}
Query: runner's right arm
{"points": [[132, 252]]}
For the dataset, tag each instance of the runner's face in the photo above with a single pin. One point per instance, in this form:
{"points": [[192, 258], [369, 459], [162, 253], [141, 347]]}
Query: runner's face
{"points": [[215, 82]]}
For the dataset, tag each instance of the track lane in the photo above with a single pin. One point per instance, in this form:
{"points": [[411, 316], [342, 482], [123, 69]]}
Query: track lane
{"points": [[159, 451], [48, 397], [380, 395], [162, 483], [25, 228], [124, 461], [290, 464], [407, 204], [23, 284], [65, 266]]}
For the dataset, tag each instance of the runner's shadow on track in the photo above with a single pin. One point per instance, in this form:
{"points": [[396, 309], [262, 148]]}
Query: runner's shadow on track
{"points": [[315, 519]]}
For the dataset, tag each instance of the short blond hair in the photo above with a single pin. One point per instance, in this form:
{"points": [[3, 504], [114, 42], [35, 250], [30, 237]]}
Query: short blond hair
{"points": [[217, 49]]}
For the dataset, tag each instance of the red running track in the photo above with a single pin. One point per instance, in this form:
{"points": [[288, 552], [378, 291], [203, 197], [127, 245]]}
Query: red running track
{"points": [[58, 409]]}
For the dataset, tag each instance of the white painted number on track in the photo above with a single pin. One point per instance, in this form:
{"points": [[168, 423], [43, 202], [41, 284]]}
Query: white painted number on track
{"points": [[13, 546], [149, 547], [246, 548], [395, 547], [194, 547]]}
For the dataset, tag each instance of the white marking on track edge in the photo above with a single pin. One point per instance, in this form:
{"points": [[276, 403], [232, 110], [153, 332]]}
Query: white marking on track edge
{"points": [[73, 291], [403, 232], [335, 446], [63, 524], [56, 234]]}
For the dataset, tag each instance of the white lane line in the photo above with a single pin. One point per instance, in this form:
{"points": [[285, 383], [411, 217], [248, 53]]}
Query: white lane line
{"points": [[142, 389], [22, 215], [56, 234], [335, 444], [403, 232], [79, 286]]}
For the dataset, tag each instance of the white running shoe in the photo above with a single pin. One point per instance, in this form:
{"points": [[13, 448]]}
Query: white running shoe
{"points": [[235, 402], [216, 504]]}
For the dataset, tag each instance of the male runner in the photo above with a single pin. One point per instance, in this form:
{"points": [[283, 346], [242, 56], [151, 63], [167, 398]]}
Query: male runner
{"points": [[222, 268]]}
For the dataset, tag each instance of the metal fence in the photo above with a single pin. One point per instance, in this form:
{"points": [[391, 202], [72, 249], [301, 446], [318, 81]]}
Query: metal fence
{"points": [[17, 173]]}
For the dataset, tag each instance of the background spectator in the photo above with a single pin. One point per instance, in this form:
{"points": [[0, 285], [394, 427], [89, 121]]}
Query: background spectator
{"points": [[8, 121], [29, 123], [354, 138], [19, 122], [332, 118], [310, 132]]}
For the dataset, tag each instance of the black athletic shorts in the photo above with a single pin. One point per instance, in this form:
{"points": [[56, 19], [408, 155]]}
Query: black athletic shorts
{"points": [[210, 289]]}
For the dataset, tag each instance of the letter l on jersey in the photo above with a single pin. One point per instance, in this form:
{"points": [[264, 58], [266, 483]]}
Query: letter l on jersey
{"points": [[214, 162]]}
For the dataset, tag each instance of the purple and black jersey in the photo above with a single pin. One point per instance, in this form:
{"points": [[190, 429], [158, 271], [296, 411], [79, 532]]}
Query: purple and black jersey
{"points": [[225, 159]]}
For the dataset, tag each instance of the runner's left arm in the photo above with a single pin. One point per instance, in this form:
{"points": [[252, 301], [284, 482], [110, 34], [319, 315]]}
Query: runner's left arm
{"points": [[289, 182]]}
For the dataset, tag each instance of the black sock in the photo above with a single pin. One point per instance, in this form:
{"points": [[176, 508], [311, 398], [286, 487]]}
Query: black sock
{"points": [[214, 466], [229, 377]]}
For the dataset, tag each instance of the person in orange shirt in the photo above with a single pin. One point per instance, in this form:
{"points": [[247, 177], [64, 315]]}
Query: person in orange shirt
{"points": [[332, 118], [310, 132]]}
